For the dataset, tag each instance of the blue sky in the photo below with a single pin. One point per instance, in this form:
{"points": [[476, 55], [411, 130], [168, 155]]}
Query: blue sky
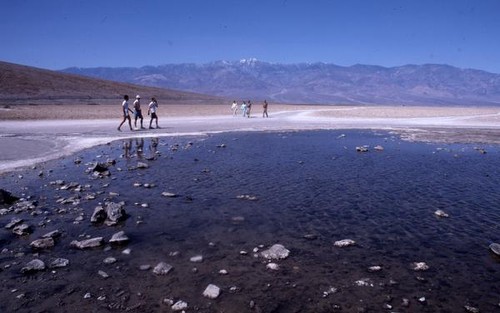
{"points": [[56, 34]]}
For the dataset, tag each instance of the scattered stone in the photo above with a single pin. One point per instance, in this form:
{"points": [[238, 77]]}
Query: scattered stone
{"points": [[87, 243], [310, 236], [405, 302], [43, 243], [33, 266], [344, 243], [223, 272], [168, 194], [179, 306], [246, 197], [378, 148], [53, 234], [145, 267], [273, 266], [109, 260], [59, 262], [471, 309], [375, 268], [420, 266], [13, 222], [211, 292], [162, 268], [362, 149], [22, 229], [364, 282], [119, 238], [127, 251], [441, 213], [142, 165], [196, 259], [276, 252], [330, 291], [111, 214], [422, 300], [103, 274], [221, 145], [495, 248]]}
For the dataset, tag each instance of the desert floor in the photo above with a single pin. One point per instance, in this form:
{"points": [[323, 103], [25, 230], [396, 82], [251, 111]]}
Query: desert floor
{"points": [[32, 134]]}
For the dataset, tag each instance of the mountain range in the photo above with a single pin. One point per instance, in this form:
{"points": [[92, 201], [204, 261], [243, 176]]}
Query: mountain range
{"points": [[316, 83], [21, 84]]}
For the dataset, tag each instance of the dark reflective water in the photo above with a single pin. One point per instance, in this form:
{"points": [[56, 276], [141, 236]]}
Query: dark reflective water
{"points": [[305, 183]]}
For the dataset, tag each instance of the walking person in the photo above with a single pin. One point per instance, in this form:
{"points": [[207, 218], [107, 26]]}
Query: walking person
{"points": [[249, 108], [234, 107], [244, 108], [125, 111], [264, 106], [152, 109], [138, 111]]}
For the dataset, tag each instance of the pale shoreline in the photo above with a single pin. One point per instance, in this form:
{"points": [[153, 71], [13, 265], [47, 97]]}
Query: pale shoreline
{"points": [[33, 134]]}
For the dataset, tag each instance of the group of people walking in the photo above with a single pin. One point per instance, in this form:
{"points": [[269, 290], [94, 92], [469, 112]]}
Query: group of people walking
{"points": [[152, 109], [246, 108]]}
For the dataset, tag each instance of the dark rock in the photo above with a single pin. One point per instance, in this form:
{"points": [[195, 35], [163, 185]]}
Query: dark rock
{"points": [[7, 198]]}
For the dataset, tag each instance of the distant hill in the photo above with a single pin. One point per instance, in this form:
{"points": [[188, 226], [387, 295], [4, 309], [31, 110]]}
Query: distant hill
{"points": [[28, 85], [429, 84]]}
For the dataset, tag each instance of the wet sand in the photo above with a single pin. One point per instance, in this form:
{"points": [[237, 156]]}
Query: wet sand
{"points": [[31, 134]]}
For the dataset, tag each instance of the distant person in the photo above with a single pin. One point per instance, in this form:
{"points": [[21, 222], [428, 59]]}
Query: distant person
{"points": [[125, 111], [249, 108], [244, 108], [138, 111], [234, 107], [264, 106], [152, 109]]}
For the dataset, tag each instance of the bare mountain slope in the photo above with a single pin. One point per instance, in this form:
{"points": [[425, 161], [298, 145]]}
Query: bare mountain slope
{"points": [[28, 85], [428, 84]]}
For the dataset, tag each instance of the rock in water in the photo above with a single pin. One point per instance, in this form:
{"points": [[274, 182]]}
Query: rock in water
{"points": [[211, 292], [344, 243], [59, 262], [276, 252], [441, 213], [88, 243], [43, 243], [179, 306], [495, 248], [162, 268], [22, 229], [119, 237], [99, 215], [33, 266], [115, 212], [419, 266], [6, 197]]}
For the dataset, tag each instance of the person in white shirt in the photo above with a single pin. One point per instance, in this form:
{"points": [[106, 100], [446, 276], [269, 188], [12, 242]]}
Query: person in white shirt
{"points": [[152, 109], [125, 111]]}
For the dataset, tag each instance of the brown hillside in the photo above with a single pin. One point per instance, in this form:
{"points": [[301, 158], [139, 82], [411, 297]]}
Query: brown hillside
{"points": [[21, 84]]}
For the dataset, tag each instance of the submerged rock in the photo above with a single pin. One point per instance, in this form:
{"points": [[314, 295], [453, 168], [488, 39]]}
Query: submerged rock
{"points": [[119, 237], [13, 222], [88, 243], [441, 213], [22, 229], [162, 268], [43, 243], [344, 243], [59, 262], [495, 248], [419, 266], [211, 292], [276, 252], [33, 266]]}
